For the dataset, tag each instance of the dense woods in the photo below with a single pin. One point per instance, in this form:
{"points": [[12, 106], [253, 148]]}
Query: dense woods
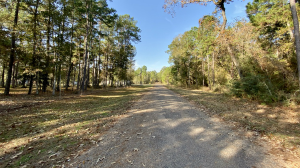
{"points": [[254, 57], [62, 43], [55, 44]]}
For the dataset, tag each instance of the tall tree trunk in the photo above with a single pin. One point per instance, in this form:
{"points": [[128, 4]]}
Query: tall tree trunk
{"points": [[54, 77], [58, 78], [296, 34], [74, 76], [106, 69], [24, 81], [30, 84], [12, 51], [235, 62], [112, 80], [17, 73], [79, 67], [98, 57], [69, 75], [98, 70], [71, 53], [208, 73], [38, 67], [13, 76], [83, 82], [3, 72], [233, 58], [222, 7], [34, 43], [54, 62], [197, 76], [213, 69], [61, 41], [37, 79], [203, 76], [94, 74], [189, 74], [59, 85], [45, 75], [88, 72]]}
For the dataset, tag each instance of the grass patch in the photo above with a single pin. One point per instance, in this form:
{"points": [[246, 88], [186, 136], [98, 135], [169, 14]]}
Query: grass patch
{"points": [[55, 130], [277, 122]]}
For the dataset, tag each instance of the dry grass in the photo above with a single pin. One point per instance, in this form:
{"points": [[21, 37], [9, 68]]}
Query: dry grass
{"points": [[45, 131], [278, 124]]}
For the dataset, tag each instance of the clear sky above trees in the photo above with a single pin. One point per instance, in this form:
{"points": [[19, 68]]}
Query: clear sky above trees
{"points": [[159, 28]]}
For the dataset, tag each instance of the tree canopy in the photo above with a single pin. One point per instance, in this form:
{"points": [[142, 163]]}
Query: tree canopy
{"points": [[55, 42]]}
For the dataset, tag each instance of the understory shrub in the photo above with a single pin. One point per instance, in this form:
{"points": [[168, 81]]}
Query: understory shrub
{"points": [[254, 87]]}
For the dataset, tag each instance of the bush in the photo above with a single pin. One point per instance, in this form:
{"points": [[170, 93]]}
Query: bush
{"points": [[254, 87]]}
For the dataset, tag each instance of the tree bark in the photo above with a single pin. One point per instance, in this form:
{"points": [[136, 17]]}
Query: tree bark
{"points": [[233, 58], [45, 76], [13, 76], [235, 62], [296, 34], [61, 41], [12, 51], [213, 69], [83, 82], [78, 78], [71, 53], [58, 79], [222, 7], [208, 73], [88, 73], [203, 81], [34, 44], [17, 73], [54, 62], [54, 78], [3, 72], [74, 77], [94, 74]]}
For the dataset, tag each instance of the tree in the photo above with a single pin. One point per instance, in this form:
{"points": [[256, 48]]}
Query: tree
{"points": [[144, 73], [56, 39], [296, 34], [170, 4], [13, 50], [276, 36]]}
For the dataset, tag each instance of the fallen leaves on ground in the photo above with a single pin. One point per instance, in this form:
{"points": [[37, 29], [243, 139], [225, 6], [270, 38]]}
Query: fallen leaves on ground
{"points": [[47, 131], [275, 123]]}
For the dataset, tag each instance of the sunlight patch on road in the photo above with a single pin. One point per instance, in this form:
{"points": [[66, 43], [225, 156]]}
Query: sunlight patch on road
{"points": [[231, 150], [194, 131], [177, 122]]}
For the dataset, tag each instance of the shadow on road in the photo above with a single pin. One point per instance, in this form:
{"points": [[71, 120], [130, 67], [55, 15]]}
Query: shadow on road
{"points": [[164, 130]]}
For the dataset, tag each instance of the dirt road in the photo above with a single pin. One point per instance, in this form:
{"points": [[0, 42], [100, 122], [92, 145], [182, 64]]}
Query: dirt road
{"points": [[163, 130]]}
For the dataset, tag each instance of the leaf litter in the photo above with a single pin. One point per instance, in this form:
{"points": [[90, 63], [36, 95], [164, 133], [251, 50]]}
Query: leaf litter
{"points": [[276, 124], [32, 125]]}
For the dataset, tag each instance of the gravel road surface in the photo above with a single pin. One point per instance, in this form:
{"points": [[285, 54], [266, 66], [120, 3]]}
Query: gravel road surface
{"points": [[163, 130]]}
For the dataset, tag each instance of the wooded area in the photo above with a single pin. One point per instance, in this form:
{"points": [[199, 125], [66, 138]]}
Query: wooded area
{"points": [[63, 43], [245, 74], [254, 57]]}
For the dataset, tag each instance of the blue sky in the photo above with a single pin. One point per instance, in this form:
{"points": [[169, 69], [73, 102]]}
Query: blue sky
{"points": [[159, 28]]}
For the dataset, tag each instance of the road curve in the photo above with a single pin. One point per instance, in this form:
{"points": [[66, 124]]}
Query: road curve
{"points": [[163, 130]]}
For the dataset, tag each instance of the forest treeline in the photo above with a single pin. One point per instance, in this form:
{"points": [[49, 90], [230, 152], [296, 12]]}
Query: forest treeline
{"points": [[59, 43], [254, 57]]}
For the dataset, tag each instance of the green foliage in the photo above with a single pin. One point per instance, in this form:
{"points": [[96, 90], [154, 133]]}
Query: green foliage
{"points": [[142, 76], [57, 40], [253, 59]]}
